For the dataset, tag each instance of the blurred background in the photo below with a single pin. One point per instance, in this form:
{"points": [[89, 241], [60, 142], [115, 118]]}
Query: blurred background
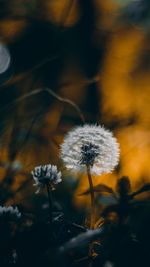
{"points": [[92, 52]]}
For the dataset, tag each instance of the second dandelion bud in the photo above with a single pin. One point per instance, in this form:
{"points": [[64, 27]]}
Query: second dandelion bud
{"points": [[46, 175]]}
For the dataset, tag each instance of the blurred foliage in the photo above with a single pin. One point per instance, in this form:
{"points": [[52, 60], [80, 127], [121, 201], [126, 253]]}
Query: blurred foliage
{"points": [[96, 54], [87, 52]]}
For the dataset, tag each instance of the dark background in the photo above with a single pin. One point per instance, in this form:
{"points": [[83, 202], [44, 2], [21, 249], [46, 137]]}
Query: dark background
{"points": [[96, 54]]}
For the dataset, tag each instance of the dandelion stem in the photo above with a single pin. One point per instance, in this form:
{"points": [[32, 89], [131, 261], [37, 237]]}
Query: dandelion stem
{"points": [[92, 214], [49, 193]]}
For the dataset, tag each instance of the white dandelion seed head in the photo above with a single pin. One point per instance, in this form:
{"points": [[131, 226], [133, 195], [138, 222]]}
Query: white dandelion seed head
{"points": [[46, 174], [90, 145], [9, 212]]}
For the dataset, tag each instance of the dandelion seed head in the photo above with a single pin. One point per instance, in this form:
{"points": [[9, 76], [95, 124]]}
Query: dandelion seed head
{"points": [[89, 152], [9, 212], [46, 174], [90, 145]]}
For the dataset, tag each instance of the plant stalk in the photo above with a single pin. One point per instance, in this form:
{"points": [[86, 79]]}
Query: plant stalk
{"points": [[49, 193], [92, 214]]}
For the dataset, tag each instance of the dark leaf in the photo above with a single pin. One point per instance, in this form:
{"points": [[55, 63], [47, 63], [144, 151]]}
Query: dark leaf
{"points": [[143, 189], [106, 200], [82, 239], [101, 188]]}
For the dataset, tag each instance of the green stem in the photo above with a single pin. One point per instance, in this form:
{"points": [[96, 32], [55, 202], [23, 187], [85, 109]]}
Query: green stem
{"points": [[92, 214], [49, 193]]}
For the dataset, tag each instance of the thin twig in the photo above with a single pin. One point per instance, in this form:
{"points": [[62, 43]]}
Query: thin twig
{"points": [[51, 92]]}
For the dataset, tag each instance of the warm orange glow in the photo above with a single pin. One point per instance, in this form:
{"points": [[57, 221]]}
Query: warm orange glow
{"points": [[56, 11], [124, 94]]}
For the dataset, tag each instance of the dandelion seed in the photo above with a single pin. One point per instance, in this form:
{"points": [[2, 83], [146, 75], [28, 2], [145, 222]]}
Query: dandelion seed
{"points": [[46, 175], [90, 145]]}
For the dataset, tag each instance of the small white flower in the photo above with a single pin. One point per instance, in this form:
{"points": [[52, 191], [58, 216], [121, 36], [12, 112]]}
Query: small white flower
{"points": [[9, 211], [90, 145], [46, 174]]}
